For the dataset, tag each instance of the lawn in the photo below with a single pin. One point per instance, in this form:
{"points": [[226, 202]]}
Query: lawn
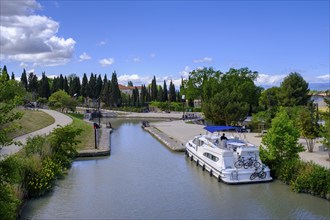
{"points": [[86, 137], [32, 120]]}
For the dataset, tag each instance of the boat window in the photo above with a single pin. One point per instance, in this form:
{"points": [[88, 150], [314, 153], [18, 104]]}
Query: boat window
{"points": [[210, 156]]}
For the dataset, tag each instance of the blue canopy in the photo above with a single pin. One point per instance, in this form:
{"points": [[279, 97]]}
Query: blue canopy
{"points": [[221, 128]]}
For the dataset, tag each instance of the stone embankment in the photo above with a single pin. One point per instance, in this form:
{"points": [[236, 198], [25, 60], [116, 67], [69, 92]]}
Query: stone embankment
{"points": [[170, 142], [104, 145]]}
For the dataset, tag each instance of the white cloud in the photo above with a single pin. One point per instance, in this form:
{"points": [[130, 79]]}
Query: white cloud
{"points": [[84, 56], [269, 80], [325, 78], [107, 62], [136, 59], [23, 65], [185, 73], [102, 43], [203, 60], [135, 78], [27, 37]]}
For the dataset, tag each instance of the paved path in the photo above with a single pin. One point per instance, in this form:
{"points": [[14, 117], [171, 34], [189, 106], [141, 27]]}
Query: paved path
{"points": [[183, 132], [60, 119]]}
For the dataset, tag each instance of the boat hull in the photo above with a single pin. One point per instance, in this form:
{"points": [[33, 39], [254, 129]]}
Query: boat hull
{"points": [[231, 175]]}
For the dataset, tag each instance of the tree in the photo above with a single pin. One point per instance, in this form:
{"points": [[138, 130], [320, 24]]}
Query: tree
{"points": [[172, 95], [62, 100], [33, 84], [91, 88], [233, 98], [24, 80], [61, 82], [74, 85], [153, 92], [129, 83], [194, 87], [308, 126], [98, 87], [66, 85], [11, 94], [83, 88], [4, 73], [55, 85], [281, 141], [165, 93], [44, 90], [12, 76], [116, 96], [294, 90]]}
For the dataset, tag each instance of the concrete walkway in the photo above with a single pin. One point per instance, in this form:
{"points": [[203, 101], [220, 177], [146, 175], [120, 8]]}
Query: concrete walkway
{"points": [[183, 132], [60, 119]]}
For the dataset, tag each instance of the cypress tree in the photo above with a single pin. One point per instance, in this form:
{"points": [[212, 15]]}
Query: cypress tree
{"points": [[154, 89], [44, 90], [12, 76], [172, 96], [91, 87], [165, 93], [98, 87], [83, 88], [66, 85], [5, 74], [116, 96], [24, 80]]}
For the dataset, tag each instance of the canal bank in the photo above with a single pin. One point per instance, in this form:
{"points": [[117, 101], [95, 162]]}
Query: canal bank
{"points": [[140, 171], [182, 132], [103, 144]]}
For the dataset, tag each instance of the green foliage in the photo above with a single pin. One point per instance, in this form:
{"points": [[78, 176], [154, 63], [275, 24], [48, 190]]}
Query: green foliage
{"points": [[308, 126], [281, 141], [8, 201], [311, 178], [7, 125], [37, 145], [232, 97], [293, 91], [37, 183], [63, 144], [62, 100]]}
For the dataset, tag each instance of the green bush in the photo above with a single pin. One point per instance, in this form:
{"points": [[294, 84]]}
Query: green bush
{"points": [[312, 178], [42, 181], [8, 201]]}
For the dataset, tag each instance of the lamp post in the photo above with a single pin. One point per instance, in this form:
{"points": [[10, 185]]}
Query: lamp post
{"points": [[183, 101]]}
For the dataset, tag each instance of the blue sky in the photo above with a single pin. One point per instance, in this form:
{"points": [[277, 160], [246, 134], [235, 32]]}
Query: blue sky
{"points": [[140, 39]]}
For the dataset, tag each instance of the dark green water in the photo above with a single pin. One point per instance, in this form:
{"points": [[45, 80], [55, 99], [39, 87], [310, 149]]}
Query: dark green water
{"points": [[142, 179]]}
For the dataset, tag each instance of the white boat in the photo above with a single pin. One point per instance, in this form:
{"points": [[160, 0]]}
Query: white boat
{"points": [[231, 160]]}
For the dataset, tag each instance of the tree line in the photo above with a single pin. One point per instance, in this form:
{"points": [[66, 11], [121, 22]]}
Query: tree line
{"points": [[94, 88]]}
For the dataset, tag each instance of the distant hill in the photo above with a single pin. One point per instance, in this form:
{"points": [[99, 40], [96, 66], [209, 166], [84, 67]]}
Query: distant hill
{"points": [[312, 86]]}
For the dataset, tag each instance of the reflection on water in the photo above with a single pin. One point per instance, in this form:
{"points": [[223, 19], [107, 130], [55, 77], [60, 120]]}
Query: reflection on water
{"points": [[143, 179]]}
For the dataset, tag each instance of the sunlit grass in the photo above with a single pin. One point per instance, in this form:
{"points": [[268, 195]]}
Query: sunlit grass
{"points": [[86, 137], [32, 120]]}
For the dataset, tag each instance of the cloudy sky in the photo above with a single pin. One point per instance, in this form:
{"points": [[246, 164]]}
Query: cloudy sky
{"points": [[140, 39]]}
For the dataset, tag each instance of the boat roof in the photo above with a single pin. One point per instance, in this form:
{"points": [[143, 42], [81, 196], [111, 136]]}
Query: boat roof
{"points": [[221, 128]]}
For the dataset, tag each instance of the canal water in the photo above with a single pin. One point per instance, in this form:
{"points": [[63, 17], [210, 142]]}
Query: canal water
{"points": [[142, 179]]}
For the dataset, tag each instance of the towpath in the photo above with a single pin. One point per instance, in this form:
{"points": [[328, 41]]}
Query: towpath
{"points": [[60, 119]]}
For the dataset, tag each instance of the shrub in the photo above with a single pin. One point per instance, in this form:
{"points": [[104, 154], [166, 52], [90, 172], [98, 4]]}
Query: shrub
{"points": [[40, 182], [8, 201]]}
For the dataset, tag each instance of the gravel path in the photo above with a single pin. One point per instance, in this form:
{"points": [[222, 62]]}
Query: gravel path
{"points": [[60, 119]]}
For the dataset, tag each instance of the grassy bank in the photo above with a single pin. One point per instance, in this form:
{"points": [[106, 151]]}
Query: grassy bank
{"points": [[86, 137], [32, 121], [33, 171]]}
